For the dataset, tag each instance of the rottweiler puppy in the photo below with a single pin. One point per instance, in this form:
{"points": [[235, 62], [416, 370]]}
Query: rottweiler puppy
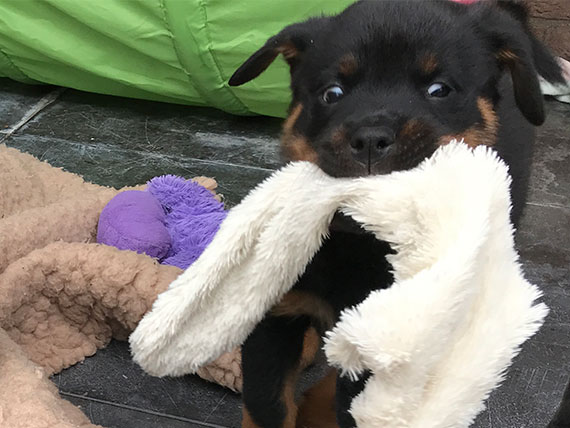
{"points": [[376, 89]]}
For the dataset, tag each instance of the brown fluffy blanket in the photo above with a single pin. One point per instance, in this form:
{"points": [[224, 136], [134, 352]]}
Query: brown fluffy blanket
{"points": [[62, 296]]}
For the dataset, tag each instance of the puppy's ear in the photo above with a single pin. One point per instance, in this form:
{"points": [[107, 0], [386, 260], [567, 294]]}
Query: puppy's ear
{"points": [[514, 54], [293, 42], [517, 50], [544, 61]]}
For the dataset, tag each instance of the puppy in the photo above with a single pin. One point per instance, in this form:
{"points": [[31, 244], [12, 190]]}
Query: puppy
{"points": [[376, 89]]}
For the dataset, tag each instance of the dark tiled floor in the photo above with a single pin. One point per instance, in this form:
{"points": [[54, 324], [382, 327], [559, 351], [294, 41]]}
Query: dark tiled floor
{"points": [[17, 100], [114, 141]]}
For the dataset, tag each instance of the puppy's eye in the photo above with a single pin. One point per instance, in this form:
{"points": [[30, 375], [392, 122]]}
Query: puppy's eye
{"points": [[438, 90], [333, 94]]}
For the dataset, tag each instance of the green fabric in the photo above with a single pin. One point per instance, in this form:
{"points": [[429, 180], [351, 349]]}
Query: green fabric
{"points": [[181, 51]]}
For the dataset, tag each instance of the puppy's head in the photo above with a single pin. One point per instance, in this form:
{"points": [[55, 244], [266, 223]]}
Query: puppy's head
{"points": [[379, 87]]}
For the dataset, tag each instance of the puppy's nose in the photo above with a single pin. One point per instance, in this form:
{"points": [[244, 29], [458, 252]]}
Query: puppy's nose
{"points": [[370, 144]]}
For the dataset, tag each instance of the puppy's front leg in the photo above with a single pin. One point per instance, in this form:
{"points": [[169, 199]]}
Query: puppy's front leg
{"points": [[272, 358]]}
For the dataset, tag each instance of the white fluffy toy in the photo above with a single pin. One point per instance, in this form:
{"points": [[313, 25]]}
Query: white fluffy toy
{"points": [[437, 342]]}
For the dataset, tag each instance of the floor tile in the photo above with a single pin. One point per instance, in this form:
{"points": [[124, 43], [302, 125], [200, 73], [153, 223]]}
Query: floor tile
{"points": [[110, 415], [550, 179], [165, 129], [112, 376], [117, 167], [17, 99], [526, 399]]}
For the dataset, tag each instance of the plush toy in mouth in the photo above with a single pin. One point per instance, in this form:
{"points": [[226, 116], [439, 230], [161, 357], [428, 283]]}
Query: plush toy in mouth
{"points": [[436, 342]]}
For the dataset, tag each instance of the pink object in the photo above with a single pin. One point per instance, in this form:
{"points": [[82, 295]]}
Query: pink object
{"points": [[465, 1]]}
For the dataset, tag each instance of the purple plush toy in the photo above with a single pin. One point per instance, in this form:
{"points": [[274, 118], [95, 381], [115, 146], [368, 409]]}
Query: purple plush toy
{"points": [[172, 221]]}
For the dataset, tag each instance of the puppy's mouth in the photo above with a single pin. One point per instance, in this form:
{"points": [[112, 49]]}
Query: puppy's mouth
{"points": [[382, 164], [414, 142]]}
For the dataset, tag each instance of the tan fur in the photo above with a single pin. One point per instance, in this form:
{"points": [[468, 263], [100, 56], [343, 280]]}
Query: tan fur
{"points": [[298, 303], [288, 50], [317, 408], [246, 420], [507, 56], [292, 118], [412, 129], [429, 63], [311, 344], [298, 149], [295, 146], [288, 398], [484, 133], [348, 65], [338, 137], [489, 116]]}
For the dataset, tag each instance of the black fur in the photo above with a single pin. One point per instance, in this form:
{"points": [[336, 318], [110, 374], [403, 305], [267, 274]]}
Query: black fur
{"points": [[268, 357], [386, 57], [346, 389]]}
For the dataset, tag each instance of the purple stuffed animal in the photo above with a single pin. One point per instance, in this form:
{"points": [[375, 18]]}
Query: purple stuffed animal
{"points": [[172, 221]]}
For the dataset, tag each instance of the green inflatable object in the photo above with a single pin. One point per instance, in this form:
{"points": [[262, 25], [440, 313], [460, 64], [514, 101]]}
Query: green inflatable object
{"points": [[180, 51]]}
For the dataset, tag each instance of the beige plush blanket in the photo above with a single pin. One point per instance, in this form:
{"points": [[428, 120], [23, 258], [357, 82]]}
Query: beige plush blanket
{"points": [[62, 296]]}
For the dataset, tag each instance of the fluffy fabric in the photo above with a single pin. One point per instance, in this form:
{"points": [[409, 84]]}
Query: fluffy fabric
{"points": [[173, 220], [559, 91], [61, 295], [437, 342], [193, 216], [30, 400]]}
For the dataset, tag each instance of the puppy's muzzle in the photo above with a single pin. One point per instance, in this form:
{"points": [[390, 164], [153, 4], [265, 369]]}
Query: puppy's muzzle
{"points": [[370, 144]]}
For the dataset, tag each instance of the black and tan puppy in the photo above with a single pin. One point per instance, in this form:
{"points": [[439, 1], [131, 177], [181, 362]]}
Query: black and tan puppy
{"points": [[377, 89]]}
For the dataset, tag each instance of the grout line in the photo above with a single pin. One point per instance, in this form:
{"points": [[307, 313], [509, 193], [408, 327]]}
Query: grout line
{"points": [[137, 409], [547, 205], [216, 407], [173, 158], [45, 101], [224, 163]]}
